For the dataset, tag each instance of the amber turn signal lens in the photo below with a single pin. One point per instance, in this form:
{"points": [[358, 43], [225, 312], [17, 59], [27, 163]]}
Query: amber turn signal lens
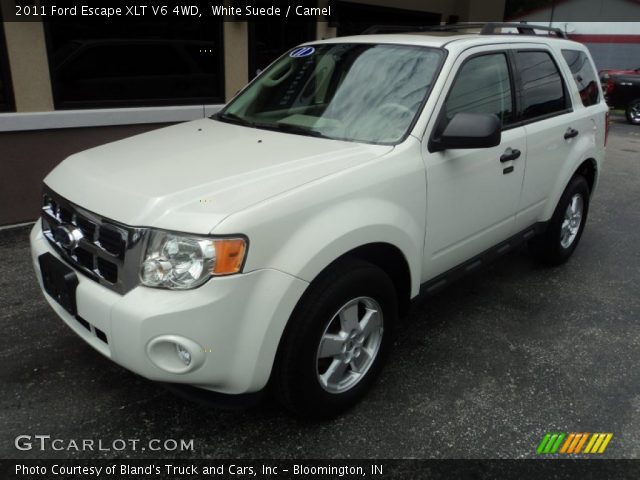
{"points": [[229, 256]]}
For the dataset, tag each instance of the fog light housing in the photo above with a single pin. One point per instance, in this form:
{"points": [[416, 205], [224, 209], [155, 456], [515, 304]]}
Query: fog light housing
{"points": [[183, 354], [175, 354]]}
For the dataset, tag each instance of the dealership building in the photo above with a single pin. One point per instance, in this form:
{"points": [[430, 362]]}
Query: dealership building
{"points": [[68, 85]]}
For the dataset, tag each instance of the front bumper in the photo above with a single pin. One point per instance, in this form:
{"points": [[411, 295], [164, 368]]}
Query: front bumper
{"points": [[234, 322]]}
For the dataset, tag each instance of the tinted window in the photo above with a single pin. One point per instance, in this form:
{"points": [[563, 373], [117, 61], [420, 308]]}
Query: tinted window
{"points": [[583, 75], [137, 63], [542, 88], [124, 60], [482, 86], [5, 90]]}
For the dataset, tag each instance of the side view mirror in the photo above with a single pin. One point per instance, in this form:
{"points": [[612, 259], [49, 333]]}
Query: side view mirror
{"points": [[469, 130]]}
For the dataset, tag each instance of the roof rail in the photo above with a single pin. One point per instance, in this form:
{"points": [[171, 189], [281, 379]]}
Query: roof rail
{"points": [[523, 29], [399, 28], [486, 28]]}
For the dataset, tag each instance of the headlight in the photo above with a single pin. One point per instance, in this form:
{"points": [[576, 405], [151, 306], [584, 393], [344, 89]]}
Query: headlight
{"points": [[181, 262]]}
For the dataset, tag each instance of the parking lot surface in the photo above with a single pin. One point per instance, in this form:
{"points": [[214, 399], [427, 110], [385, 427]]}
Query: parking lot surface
{"points": [[481, 370]]}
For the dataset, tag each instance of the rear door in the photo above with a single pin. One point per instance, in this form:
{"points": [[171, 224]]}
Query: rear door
{"points": [[473, 194], [551, 129]]}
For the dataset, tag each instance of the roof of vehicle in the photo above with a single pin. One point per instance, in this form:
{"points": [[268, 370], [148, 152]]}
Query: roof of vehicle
{"points": [[440, 39], [462, 35]]}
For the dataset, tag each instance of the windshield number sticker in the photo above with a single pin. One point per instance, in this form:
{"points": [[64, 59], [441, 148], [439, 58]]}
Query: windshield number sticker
{"points": [[302, 52]]}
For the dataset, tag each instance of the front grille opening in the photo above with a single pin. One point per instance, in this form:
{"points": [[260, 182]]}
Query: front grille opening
{"points": [[87, 227], [84, 323], [108, 270], [84, 258], [66, 215], [51, 204], [111, 240], [101, 335]]}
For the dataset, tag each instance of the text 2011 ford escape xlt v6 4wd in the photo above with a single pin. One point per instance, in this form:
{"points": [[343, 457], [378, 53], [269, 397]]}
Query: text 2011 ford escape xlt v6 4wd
{"points": [[277, 242]]}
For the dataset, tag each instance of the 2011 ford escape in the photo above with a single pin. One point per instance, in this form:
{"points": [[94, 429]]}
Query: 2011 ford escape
{"points": [[277, 242]]}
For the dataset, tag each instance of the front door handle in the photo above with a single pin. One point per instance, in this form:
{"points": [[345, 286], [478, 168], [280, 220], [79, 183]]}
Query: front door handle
{"points": [[570, 133], [509, 154]]}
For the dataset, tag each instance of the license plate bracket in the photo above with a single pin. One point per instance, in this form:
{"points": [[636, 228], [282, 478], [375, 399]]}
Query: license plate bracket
{"points": [[59, 281]]}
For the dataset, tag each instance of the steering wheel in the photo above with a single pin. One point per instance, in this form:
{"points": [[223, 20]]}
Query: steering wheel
{"points": [[277, 77]]}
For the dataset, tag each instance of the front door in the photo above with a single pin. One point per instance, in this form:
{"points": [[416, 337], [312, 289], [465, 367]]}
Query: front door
{"points": [[473, 195]]}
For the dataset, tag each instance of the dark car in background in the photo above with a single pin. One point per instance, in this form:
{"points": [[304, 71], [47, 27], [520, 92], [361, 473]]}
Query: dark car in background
{"points": [[623, 91], [605, 74]]}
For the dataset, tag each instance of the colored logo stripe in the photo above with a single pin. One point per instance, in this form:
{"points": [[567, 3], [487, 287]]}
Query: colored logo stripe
{"points": [[574, 442], [568, 442], [598, 442], [550, 443]]}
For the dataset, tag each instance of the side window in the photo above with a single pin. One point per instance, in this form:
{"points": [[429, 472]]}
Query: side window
{"points": [[6, 100], [542, 88], [482, 86], [583, 75]]}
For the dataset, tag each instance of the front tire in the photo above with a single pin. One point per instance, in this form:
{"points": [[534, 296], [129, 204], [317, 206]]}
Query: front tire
{"points": [[336, 340], [633, 112], [560, 239]]}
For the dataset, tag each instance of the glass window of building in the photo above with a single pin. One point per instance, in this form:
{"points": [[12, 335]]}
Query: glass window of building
{"points": [[135, 63], [6, 95]]}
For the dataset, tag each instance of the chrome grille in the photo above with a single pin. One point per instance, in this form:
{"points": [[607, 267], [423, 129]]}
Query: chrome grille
{"points": [[106, 251]]}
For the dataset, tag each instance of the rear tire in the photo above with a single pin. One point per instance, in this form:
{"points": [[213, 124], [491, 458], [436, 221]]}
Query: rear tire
{"points": [[336, 341], [633, 112], [558, 242]]}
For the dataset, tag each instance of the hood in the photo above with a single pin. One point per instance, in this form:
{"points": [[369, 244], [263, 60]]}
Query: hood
{"points": [[190, 176]]}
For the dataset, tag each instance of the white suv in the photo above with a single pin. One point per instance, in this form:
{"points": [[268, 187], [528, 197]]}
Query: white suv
{"points": [[277, 243]]}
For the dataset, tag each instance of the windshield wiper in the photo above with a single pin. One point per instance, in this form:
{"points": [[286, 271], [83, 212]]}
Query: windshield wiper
{"points": [[280, 127], [233, 118], [290, 128]]}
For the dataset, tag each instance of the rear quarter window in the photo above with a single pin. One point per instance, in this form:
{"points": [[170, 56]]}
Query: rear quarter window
{"points": [[584, 76]]}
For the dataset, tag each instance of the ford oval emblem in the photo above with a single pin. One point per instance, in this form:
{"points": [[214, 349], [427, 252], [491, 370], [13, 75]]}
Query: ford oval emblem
{"points": [[67, 236], [302, 52]]}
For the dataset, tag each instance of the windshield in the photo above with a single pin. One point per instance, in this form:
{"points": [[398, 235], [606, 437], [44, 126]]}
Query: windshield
{"points": [[358, 92]]}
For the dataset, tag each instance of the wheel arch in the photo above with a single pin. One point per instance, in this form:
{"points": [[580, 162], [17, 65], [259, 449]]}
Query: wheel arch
{"points": [[390, 259], [588, 168]]}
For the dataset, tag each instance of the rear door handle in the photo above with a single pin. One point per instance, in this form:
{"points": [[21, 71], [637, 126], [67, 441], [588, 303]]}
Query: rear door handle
{"points": [[570, 133], [510, 154]]}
